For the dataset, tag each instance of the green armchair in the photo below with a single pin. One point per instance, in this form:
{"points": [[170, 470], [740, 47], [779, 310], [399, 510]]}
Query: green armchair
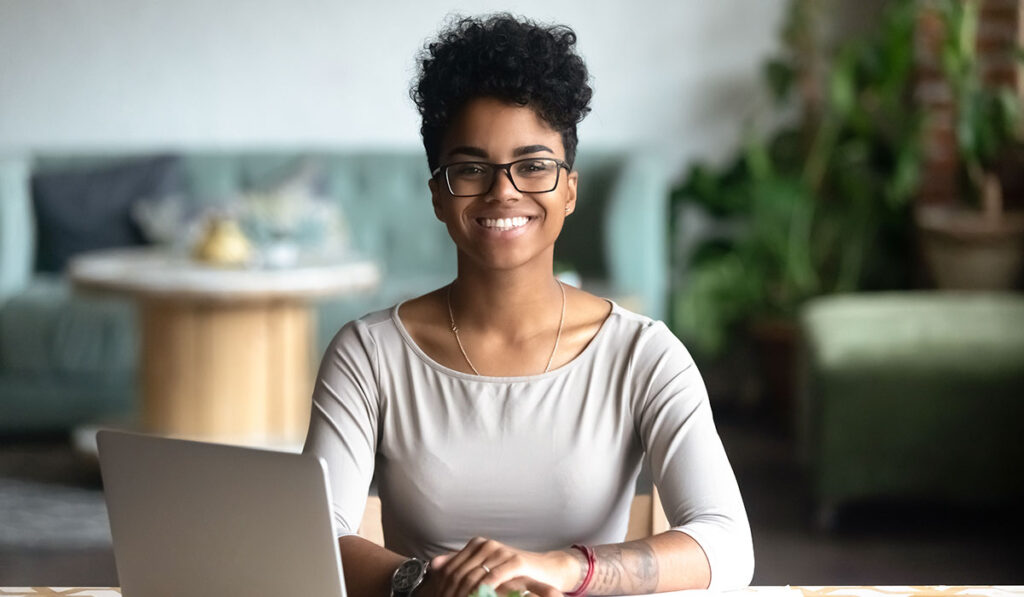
{"points": [[914, 395]]}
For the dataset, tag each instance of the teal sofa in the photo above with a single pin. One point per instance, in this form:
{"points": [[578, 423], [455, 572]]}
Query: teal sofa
{"points": [[66, 359], [913, 396]]}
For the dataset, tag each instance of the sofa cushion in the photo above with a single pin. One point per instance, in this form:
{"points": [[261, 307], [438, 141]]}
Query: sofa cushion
{"points": [[916, 331], [46, 330], [80, 210]]}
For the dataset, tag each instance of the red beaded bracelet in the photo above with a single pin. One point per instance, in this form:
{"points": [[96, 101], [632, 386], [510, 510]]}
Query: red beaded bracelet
{"points": [[591, 564]]}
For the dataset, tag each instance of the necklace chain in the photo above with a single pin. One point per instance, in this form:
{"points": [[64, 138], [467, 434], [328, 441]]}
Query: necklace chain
{"points": [[455, 329]]}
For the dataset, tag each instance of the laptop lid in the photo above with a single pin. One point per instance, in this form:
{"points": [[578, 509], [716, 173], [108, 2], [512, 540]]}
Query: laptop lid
{"points": [[199, 519]]}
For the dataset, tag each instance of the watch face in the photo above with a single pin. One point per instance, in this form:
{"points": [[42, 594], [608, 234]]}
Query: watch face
{"points": [[408, 575]]}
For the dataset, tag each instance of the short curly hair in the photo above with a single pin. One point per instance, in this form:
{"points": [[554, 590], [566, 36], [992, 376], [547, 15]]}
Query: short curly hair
{"points": [[507, 58]]}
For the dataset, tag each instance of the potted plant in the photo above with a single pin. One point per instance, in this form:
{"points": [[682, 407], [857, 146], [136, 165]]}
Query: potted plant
{"points": [[818, 207], [974, 243]]}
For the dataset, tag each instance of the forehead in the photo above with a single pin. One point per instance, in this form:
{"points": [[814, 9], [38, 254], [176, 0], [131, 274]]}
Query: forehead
{"points": [[498, 128]]}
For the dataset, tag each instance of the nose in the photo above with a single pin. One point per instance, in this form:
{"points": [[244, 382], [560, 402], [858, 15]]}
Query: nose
{"points": [[503, 189]]}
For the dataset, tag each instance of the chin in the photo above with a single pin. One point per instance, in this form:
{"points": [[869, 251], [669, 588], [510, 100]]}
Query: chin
{"points": [[499, 261]]}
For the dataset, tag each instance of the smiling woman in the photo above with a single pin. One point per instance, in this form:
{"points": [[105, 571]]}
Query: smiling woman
{"points": [[505, 416]]}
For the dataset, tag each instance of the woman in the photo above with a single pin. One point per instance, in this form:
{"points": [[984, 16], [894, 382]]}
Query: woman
{"points": [[505, 415]]}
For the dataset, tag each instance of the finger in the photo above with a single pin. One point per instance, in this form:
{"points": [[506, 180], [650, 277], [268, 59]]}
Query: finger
{"points": [[509, 567], [462, 569], [477, 567], [472, 577], [455, 558], [439, 561]]}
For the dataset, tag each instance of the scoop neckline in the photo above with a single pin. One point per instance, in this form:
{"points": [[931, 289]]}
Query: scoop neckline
{"points": [[429, 361]]}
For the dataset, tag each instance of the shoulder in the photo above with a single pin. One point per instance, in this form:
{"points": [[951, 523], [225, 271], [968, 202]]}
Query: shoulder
{"points": [[650, 343], [638, 327], [363, 338]]}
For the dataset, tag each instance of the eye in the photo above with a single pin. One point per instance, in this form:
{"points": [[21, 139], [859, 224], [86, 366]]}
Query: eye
{"points": [[534, 167], [469, 169]]}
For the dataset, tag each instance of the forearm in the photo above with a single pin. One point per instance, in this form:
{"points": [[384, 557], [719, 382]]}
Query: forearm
{"points": [[368, 567], [670, 561]]}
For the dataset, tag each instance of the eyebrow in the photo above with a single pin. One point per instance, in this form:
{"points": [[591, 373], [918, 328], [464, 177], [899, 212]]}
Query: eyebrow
{"points": [[467, 150], [531, 149], [480, 153]]}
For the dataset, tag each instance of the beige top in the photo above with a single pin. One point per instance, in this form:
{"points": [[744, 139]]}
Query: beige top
{"points": [[538, 462]]}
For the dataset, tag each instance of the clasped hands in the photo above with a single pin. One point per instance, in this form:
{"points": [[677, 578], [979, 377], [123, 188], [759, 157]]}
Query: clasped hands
{"points": [[486, 561]]}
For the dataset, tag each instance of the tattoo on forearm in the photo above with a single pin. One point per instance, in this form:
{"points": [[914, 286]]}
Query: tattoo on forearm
{"points": [[624, 569]]}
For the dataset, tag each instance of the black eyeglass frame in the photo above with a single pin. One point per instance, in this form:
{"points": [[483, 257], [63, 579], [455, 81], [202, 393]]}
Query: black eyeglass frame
{"points": [[507, 167]]}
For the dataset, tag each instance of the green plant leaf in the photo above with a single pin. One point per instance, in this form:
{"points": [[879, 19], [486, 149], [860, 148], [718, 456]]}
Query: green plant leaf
{"points": [[484, 590]]}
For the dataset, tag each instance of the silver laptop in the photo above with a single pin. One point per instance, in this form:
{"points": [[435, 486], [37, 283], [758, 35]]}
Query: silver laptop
{"points": [[198, 519]]}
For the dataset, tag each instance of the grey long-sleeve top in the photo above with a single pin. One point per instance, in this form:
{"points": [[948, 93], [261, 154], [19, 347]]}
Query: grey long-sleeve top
{"points": [[537, 462]]}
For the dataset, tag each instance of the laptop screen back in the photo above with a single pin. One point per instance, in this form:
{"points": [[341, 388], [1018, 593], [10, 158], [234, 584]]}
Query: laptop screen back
{"points": [[198, 519]]}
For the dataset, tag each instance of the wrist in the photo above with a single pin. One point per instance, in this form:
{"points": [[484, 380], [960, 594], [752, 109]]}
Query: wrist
{"points": [[572, 568], [409, 575]]}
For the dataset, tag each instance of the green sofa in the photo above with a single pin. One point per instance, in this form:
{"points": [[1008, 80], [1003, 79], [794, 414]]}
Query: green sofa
{"points": [[66, 359], [913, 395]]}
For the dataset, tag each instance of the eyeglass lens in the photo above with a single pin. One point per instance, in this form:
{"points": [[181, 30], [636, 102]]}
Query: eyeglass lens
{"points": [[477, 178]]}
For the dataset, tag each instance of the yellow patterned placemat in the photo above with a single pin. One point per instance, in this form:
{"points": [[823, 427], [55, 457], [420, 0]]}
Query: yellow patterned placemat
{"points": [[807, 591], [913, 591], [63, 591]]}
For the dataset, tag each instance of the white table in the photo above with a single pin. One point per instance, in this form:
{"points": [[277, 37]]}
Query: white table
{"points": [[226, 352]]}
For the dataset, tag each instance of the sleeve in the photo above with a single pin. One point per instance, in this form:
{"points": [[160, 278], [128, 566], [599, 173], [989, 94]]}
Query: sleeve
{"points": [[688, 462], [343, 422]]}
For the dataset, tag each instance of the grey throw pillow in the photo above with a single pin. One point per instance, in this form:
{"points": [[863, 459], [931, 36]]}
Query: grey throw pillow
{"points": [[79, 211]]}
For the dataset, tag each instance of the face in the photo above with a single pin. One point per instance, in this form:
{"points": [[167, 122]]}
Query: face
{"points": [[504, 228]]}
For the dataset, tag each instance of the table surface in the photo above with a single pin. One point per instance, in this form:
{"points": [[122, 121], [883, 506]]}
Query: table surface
{"points": [[155, 271], [786, 591]]}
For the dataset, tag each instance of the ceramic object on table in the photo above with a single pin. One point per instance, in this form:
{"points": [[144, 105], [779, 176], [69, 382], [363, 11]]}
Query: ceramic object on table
{"points": [[223, 243]]}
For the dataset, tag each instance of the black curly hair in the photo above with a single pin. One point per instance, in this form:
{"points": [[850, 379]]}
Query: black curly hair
{"points": [[507, 58]]}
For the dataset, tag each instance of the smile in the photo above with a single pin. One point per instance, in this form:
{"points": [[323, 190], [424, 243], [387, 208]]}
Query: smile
{"points": [[503, 224]]}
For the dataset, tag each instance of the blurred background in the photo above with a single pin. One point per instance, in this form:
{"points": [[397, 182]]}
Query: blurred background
{"points": [[823, 198]]}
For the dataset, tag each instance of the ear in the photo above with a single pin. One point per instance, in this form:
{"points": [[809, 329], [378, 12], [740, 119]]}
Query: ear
{"points": [[571, 182], [435, 198]]}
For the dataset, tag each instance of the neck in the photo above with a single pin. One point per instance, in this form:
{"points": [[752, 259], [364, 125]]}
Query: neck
{"points": [[514, 304]]}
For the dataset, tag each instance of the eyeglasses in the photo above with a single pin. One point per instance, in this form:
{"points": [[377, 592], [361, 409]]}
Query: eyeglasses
{"points": [[529, 175]]}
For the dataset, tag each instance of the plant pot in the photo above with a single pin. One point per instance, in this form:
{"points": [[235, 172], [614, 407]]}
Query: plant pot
{"points": [[971, 250]]}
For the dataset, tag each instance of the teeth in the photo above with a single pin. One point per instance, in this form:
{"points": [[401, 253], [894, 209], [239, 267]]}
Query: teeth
{"points": [[505, 223]]}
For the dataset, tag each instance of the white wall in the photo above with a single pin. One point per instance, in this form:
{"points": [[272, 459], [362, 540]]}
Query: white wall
{"points": [[678, 76]]}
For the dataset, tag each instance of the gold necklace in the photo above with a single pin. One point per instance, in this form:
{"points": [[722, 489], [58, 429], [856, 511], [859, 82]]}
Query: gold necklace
{"points": [[455, 329]]}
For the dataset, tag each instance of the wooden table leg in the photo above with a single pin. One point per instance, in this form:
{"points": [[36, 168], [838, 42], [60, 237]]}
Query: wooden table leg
{"points": [[230, 372]]}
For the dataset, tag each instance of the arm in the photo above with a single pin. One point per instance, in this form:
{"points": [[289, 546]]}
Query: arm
{"points": [[343, 432], [688, 463], [669, 561], [368, 567]]}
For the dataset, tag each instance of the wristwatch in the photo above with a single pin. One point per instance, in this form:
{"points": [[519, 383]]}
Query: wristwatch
{"points": [[408, 576]]}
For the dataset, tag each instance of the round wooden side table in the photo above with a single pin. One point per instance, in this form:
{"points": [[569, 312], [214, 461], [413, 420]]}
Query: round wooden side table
{"points": [[226, 353]]}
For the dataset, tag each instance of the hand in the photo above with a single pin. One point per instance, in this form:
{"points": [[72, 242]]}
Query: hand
{"points": [[544, 574]]}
